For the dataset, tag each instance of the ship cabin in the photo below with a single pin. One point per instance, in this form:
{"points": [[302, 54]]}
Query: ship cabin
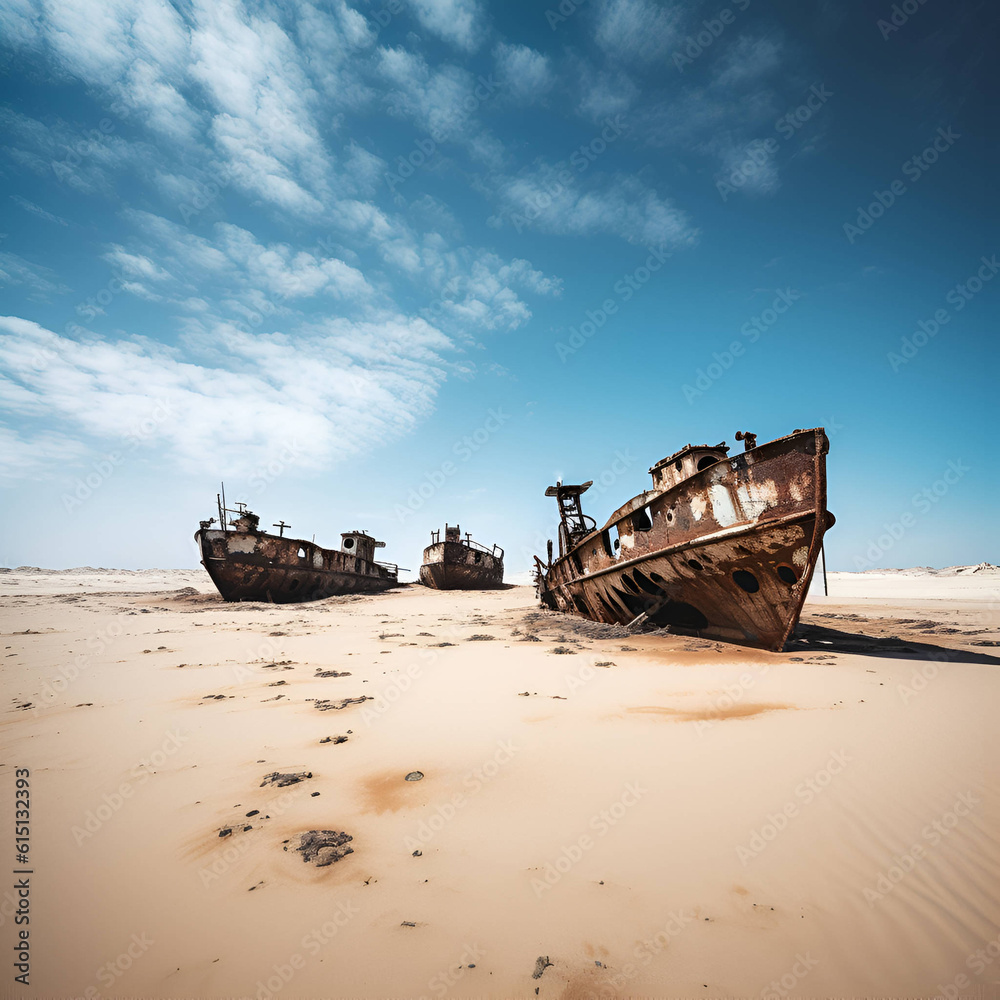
{"points": [[360, 544], [683, 464]]}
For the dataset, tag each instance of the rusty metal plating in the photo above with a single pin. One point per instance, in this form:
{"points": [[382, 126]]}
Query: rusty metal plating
{"points": [[722, 546], [247, 564], [460, 564]]}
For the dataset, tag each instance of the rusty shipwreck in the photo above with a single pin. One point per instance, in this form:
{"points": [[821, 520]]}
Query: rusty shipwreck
{"points": [[247, 564], [460, 563], [722, 547]]}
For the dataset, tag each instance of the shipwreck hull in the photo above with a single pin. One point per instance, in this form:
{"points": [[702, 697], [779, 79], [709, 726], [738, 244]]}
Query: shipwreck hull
{"points": [[455, 566], [254, 566], [728, 553]]}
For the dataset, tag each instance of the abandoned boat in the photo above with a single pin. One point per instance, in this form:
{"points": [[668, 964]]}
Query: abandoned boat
{"points": [[722, 547], [460, 564], [247, 564]]}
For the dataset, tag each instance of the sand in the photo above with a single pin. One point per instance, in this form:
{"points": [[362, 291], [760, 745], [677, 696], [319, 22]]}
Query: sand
{"points": [[614, 815]]}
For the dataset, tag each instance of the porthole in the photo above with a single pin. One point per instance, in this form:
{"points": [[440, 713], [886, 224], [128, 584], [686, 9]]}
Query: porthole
{"points": [[694, 564], [747, 581], [677, 465], [787, 575], [706, 462], [348, 543]]}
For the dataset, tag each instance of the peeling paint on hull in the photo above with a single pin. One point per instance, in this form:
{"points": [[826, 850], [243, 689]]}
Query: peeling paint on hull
{"points": [[726, 552], [452, 566], [460, 564], [254, 566]]}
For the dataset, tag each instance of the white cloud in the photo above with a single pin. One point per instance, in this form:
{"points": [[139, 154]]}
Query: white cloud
{"points": [[36, 456], [341, 389], [263, 124], [260, 278], [289, 274], [19, 22], [135, 265], [546, 199], [331, 42], [364, 168], [755, 164], [747, 59], [605, 93], [86, 160], [720, 120], [457, 21], [434, 100], [30, 206], [524, 74], [703, 118], [40, 280], [477, 291], [635, 29]]}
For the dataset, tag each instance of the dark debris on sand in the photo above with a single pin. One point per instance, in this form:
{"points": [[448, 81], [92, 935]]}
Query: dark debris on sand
{"points": [[541, 964], [324, 847], [325, 705], [283, 780], [542, 621]]}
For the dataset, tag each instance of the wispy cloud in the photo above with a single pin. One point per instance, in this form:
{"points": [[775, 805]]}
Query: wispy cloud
{"points": [[635, 29], [524, 74], [550, 199], [460, 22], [40, 281], [30, 206], [342, 388]]}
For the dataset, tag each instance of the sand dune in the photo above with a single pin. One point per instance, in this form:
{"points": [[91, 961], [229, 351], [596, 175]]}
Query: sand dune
{"points": [[600, 814]]}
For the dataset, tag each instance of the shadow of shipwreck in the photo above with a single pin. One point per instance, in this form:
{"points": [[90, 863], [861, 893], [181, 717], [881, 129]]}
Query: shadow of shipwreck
{"points": [[820, 639]]}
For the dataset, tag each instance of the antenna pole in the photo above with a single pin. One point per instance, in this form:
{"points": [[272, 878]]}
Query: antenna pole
{"points": [[224, 507]]}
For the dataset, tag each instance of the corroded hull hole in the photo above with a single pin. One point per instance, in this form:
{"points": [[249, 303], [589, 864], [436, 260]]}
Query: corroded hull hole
{"points": [[646, 583], [761, 520], [680, 615], [746, 580]]}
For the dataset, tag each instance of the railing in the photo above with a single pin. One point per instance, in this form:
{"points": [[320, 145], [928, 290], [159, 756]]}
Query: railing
{"points": [[482, 548], [436, 540]]}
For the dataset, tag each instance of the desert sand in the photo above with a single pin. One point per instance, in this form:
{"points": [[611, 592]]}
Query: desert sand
{"points": [[600, 814]]}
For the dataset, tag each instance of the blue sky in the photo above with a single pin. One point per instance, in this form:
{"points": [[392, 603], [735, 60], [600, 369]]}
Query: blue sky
{"points": [[386, 265]]}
